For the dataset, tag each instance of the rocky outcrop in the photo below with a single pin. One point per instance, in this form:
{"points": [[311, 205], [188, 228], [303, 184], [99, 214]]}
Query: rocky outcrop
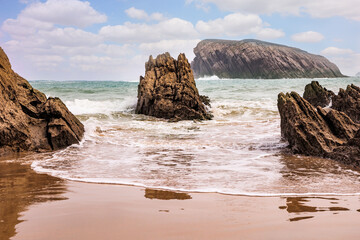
{"points": [[348, 153], [348, 101], [28, 120], [317, 95], [169, 91], [258, 59], [317, 132]]}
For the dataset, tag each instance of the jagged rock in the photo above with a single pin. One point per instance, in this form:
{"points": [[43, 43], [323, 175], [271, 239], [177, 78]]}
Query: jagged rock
{"points": [[28, 120], [348, 101], [317, 132], [316, 95], [205, 100], [258, 59], [169, 91], [348, 153]]}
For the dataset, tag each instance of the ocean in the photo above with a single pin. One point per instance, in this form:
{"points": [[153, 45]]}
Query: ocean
{"points": [[239, 152]]}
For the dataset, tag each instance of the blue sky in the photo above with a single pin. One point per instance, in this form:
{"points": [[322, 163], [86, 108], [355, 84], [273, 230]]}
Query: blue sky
{"points": [[112, 39]]}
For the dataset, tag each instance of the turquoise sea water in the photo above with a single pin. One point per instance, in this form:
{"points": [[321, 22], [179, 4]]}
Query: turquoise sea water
{"points": [[240, 151]]}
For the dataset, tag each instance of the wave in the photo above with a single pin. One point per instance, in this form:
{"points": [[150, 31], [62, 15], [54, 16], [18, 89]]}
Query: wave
{"points": [[86, 106], [214, 77], [232, 193]]}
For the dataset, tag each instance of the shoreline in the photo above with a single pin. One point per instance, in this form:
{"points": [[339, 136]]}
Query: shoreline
{"points": [[265, 195], [39, 206]]}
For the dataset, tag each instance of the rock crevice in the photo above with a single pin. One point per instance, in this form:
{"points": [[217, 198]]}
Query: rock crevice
{"points": [[28, 120]]}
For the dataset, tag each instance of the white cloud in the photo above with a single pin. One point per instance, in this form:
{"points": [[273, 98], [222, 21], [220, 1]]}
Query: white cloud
{"points": [[43, 16], [334, 51], [346, 59], [22, 27], [237, 24], [64, 12], [269, 33], [136, 13], [199, 4], [309, 37], [174, 28], [232, 25], [316, 8], [157, 16], [45, 62], [70, 37], [142, 15], [174, 47]]}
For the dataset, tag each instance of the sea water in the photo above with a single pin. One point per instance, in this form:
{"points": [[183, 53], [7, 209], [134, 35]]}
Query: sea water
{"points": [[240, 151]]}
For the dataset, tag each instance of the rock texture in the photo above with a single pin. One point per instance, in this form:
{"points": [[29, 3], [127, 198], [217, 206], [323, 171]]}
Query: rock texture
{"points": [[28, 120], [348, 101], [317, 132], [317, 95], [168, 90], [258, 59]]}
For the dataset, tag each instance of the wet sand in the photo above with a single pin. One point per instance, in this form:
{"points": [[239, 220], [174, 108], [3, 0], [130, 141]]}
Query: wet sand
{"points": [[37, 206]]}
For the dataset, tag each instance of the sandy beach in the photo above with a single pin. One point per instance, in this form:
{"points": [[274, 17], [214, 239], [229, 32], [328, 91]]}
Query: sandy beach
{"points": [[37, 206]]}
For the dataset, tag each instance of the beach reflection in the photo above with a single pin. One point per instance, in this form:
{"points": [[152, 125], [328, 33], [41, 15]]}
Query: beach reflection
{"points": [[305, 205], [21, 187], [307, 174], [165, 195]]}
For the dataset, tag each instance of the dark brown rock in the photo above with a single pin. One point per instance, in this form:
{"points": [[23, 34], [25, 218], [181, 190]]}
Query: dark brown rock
{"points": [[169, 91], [348, 101], [28, 120], [258, 59], [317, 132], [317, 95], [348, 153]]}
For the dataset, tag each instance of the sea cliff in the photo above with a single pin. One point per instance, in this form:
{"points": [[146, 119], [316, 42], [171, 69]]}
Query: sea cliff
{"points": [[258, 59]]}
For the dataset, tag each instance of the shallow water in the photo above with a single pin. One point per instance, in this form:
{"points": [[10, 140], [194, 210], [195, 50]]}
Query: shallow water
{"points": [[240, 151]]}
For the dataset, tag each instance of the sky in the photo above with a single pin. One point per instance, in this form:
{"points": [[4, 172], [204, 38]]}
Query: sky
{"points": [[112, 39]]}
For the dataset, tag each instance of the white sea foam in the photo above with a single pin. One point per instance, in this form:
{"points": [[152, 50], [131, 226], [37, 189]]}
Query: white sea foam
{"points": [[214, 77], [239, 152], [86, 106]]}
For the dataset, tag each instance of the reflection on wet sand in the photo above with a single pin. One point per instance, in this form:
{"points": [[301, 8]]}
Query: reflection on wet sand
{"points": [[299, 205], [299, 218], [21, 187], [165, 195], [307, 174]]}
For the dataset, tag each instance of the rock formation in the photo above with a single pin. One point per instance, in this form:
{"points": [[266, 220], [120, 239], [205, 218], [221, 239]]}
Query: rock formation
{"points": [[317, 132], [169, 91], [28, 120], [317, 95], [348, 101], [258, 59]]}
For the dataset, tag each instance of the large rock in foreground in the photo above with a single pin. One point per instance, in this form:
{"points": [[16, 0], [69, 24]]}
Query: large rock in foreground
{"points": [[258, 59], [169, 91], [317, 132], [28, 120]]}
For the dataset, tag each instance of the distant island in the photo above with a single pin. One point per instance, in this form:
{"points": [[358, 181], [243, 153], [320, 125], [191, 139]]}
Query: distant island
{"points": [[358, 74], [258, 59]]}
